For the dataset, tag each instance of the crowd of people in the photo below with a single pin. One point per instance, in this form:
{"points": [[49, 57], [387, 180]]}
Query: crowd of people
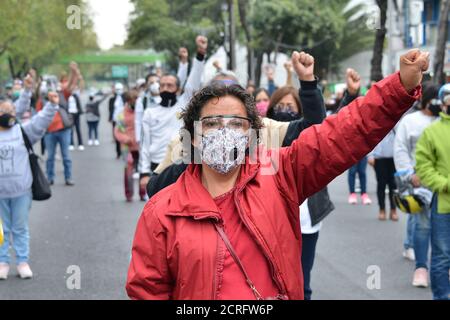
{"points": [[235, 178]]}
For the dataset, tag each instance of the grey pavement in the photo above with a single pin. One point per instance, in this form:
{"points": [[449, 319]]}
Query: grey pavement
{"points": [[91, 227]]}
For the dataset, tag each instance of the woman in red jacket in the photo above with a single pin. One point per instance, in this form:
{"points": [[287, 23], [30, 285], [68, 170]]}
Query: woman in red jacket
{"points": [[229, 227]]}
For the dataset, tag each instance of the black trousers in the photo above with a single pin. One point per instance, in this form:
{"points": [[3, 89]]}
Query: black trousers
{"points": [[118, 148], [309, 242], [77, 128], [385, 170]]}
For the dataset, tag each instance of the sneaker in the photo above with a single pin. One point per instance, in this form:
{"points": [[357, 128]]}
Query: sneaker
{"points": [[96, 143], [136, 176], [80, 148], [70, 183], [409, 254], [365, 199], [4, 270], [71, 148], [90, 143], [51, 182], [24, 271], [353, 199], [420, 279]]}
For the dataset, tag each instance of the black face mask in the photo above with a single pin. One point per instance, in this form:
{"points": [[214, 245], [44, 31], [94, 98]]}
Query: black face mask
{"points": [[169, 99], [285, 116], [7, 121]]}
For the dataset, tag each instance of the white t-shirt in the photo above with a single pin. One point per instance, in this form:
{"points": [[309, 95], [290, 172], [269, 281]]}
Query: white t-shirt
{"points": [[305, 220], [72, 105]]}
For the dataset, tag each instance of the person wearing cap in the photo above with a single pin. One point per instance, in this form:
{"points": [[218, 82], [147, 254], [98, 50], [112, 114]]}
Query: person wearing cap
{"points": [[433, 169]]}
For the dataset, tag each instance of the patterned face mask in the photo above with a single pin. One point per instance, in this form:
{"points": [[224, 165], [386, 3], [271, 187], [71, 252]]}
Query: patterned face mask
{"points": [[223, 149]]}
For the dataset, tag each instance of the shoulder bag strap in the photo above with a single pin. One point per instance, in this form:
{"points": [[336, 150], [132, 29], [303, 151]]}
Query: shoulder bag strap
{"points": [[227, 242]]}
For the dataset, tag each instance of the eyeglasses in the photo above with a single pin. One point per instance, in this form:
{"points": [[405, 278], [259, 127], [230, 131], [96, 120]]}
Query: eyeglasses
{"points": [[284, 107], [237, 123]]}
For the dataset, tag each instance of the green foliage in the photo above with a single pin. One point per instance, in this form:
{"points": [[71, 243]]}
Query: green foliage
{"points": [[35, 34]]}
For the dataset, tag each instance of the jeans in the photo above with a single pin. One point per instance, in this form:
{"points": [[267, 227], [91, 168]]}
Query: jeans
{"points": [[62, 138], [309, 242], [410, 227], [76, 127], [93, 130], [359, 168], [440, 254], [14, 214], [422, 230]]}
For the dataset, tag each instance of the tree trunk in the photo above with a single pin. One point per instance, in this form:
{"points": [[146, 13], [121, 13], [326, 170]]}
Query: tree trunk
{"points": [[376, 73], [439, 57], [232, 35], [258, 68], [12, 71], [242, 6]]}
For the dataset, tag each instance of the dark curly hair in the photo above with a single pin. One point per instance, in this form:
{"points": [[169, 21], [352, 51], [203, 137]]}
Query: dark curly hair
{"points": [[217, 90]]}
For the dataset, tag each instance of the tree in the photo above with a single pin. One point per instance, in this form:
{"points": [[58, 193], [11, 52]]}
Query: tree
{"points": [[376, 72], [26, 23], [439, 58]]}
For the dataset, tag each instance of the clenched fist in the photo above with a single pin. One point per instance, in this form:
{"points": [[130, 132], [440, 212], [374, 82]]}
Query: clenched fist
{"points": [[303, 65], [202, 44], [353, 82], [412, 66]]}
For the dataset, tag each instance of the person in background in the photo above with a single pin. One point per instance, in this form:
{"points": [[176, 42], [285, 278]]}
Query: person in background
{"points": [[183, 67], [16, 180], [382, 159], [433, 169], [408, 133], [262, 99], [285, 105], [93, 118], [124, 133], [161, 123], [344, 98], [115, 107], [76, 110], [251, 88]]}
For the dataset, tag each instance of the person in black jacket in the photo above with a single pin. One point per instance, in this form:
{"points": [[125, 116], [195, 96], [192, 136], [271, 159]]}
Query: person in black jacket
{"points": [[310, 104], [117, 91]]}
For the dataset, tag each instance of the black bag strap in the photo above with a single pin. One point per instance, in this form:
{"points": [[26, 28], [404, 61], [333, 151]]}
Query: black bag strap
{"points": [[228, 244], [28, 144]]}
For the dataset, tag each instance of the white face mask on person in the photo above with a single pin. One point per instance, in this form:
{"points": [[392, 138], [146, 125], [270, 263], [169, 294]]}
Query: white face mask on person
{"points": [[223, 149]]}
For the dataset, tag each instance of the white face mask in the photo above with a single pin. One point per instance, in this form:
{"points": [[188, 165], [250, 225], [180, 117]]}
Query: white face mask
{"points": [[154, 88], [223, 149]]}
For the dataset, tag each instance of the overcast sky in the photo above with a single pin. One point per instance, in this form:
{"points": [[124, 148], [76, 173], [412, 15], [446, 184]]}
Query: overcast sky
{"points": [[110, 18]]}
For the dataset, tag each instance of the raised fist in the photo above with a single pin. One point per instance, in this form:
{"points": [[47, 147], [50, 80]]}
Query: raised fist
{"points": [[303, 65], [202, 44], [412, 66], [353, 82]]}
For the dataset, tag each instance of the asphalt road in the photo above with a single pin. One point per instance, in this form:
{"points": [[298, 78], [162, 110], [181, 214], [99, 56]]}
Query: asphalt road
{"points": [[89, 228]]}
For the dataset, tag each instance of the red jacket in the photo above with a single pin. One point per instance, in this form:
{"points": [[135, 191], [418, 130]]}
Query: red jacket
{"points": [[177, 253]]}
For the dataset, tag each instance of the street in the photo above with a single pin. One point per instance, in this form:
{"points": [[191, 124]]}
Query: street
{"points": [[90, 226]]}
